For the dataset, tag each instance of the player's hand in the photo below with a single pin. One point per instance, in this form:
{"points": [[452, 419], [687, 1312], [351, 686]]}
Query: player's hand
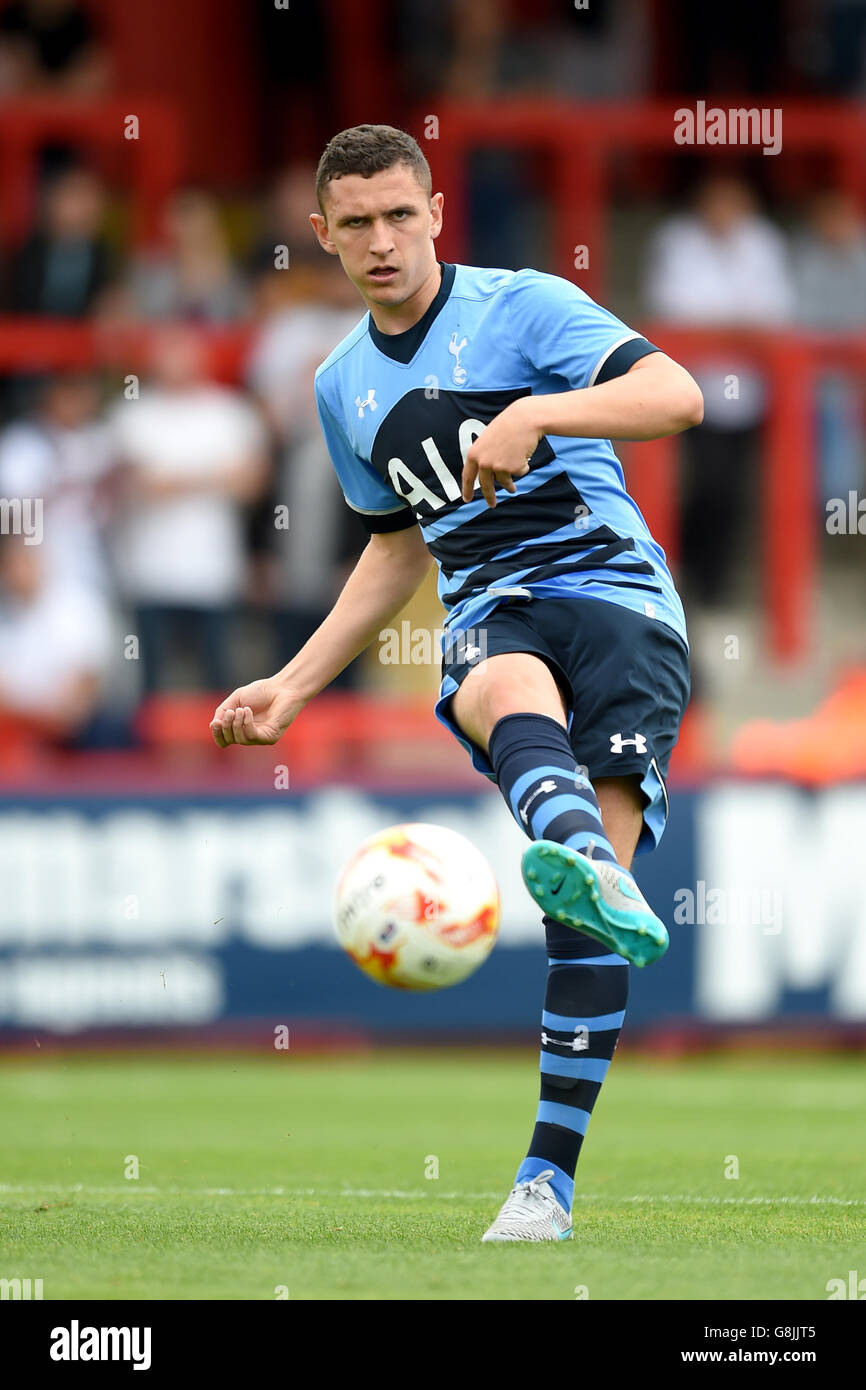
{"points": [[501, 452], [257, 713]]}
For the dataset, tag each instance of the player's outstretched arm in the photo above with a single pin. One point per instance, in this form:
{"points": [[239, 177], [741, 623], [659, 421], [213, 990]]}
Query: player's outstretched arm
{"points": [[386, 576]]}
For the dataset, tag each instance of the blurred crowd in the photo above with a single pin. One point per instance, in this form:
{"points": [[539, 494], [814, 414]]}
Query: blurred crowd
{"points": [[193, 529], [179, 510], [480, 48]]}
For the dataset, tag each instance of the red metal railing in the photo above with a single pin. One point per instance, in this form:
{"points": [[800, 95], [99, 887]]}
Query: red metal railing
{"points": [[582, 140], [150, 163], [792, 364], [29, 344]]}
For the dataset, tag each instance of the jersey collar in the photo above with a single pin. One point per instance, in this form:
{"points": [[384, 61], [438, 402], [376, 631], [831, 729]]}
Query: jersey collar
{"points": [[401, 347]]}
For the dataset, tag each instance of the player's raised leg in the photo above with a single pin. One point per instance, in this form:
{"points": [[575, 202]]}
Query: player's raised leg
{"points": [[511, 706]]}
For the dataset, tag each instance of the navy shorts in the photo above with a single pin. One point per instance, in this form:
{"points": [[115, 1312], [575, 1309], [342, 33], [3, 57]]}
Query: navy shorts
{"points": [[624, 678]]}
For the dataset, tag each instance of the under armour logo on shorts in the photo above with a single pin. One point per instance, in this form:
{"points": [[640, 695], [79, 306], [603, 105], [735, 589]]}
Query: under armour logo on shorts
{"points": [[618, 743]]}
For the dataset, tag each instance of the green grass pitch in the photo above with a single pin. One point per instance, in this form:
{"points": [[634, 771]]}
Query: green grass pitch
{"points": [[288, 1175]]}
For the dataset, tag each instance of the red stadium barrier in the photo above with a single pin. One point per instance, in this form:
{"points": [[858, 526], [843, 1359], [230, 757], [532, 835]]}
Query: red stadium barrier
{"points": [[792, 363], [29, 344], [152, 161], [369, 740], [337, 734]]}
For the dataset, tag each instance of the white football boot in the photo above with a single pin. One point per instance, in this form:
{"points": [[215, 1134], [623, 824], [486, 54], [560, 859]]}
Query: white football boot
{"points": [[531, 1212]]}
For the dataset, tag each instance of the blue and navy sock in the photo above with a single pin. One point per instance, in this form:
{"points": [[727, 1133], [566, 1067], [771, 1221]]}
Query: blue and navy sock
{"points": [[587, 985], [538, 775], [584, 1008]]}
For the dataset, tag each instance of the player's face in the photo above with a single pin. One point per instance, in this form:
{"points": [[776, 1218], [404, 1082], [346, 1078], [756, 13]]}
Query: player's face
{"points": [[383, 229]]}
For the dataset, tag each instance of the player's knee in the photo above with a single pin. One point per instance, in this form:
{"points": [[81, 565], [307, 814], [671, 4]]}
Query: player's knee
{"points": [[480, 702], [509, 684], [468, 707]]}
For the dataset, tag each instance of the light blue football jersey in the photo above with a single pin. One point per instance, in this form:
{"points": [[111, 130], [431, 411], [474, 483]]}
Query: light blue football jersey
{"points": [[400, 411]]}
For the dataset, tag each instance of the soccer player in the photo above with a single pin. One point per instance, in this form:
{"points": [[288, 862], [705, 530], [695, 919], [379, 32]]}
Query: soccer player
{"points": [[469, 416]]}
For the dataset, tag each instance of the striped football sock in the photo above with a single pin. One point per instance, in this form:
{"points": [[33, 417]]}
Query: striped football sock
{"points": [[548, 796], [584, 1008], [587, 985]]}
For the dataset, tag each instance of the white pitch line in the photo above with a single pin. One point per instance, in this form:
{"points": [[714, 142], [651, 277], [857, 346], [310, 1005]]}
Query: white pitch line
{"points": [[133, 1188]]}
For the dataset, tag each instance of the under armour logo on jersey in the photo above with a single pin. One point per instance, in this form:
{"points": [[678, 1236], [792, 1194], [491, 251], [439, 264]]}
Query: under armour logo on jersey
{"points": [[548, 785], [368, 402], [579, 1043], [618, 743], [459, 374], [470, 653]]}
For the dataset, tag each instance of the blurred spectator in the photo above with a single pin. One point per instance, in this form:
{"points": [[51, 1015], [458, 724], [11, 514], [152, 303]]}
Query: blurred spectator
{"points": [[830, 265], [475, 49], [51, 45], [62, 456], [65, 265], [193, 276], [721, 265], [55, 646], [193, 454], [285, 244], [830, 279], [302, 565]]}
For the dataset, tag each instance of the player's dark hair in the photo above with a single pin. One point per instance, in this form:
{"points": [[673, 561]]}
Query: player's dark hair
{"points": [[368, 150]]}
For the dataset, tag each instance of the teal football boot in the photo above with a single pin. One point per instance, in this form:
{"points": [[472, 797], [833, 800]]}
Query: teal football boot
{"points": [[596, 897]]}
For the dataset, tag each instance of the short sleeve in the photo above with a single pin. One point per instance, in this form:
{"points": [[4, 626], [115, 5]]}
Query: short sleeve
{"points": [[564, 333], [378, 505]]}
